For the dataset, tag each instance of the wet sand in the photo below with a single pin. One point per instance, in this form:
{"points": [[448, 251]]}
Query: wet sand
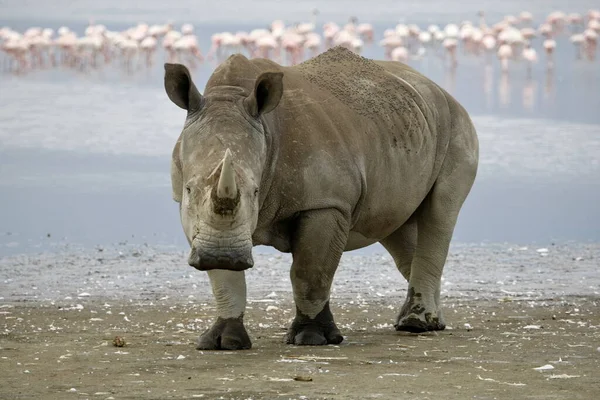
{"points": [[509, 309]]}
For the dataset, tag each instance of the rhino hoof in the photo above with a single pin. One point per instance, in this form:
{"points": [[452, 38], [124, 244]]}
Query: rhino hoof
{"points": [[416, 324], [225, 334], [314, 332]]}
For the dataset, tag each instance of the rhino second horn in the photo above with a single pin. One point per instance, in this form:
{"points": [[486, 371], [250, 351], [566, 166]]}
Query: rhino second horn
{"points": [[227, 188]]}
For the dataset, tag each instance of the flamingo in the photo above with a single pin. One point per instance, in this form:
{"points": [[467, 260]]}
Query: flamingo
{"points": [[389, 43], [292, 43], [529, 55], [489, 44], [591, 42], [549, 46], [577, 39], [168, 43], [148, 46], [313, 43], [505, 52], [366, 31], [265, 45], [330, 30], [399, 53], [188, 44], [450, 45]]}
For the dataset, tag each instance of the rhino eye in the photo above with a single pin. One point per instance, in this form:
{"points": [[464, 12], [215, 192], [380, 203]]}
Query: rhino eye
{"points": [[188, 190], [256, 191]]}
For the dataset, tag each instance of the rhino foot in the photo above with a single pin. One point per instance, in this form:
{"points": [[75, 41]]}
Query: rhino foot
{"points": [[319, 331], [417, 317], [225, 334], [419, 323]]}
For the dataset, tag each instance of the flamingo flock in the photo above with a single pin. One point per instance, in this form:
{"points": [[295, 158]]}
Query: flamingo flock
{"points": [[511, 40]]}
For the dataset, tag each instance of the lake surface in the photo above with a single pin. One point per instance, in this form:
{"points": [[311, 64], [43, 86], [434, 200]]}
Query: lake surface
{"points": [[85, 155]]}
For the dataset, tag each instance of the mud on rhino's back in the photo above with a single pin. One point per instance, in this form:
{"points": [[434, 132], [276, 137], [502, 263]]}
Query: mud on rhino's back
{"points": [[364, 86]]}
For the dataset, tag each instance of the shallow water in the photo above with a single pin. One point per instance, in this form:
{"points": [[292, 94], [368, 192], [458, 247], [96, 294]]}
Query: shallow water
{"points": [[84, 156], [126, 271]]}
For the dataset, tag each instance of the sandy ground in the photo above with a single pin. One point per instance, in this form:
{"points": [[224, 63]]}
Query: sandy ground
{"points": [[522, 324]]}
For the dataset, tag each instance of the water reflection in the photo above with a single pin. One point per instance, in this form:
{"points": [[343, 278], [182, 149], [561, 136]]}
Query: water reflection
{"points": [[504, 89], [529, 90]]}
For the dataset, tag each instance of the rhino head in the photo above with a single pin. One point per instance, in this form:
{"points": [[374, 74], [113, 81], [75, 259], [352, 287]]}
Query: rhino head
{"points": [[218, 163]]}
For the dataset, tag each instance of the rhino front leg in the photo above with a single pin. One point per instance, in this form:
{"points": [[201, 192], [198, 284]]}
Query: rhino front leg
{"points": [[318, 245], [228, 331]]}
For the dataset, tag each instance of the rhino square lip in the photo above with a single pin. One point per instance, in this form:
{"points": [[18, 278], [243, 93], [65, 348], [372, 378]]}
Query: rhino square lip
{"points": [[207, 263]]}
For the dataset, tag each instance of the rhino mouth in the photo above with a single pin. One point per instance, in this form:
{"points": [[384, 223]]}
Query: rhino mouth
{"points": [[205, 256]]}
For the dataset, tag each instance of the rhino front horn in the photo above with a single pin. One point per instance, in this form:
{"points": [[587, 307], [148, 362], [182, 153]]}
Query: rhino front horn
{"points": [[227, 188]]}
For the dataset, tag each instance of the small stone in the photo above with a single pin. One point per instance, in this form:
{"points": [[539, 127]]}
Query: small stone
{"points": [[118, 341], [180, 357], [303, 378]]}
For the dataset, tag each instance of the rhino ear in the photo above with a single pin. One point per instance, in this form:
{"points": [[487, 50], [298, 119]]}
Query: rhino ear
{"points": [[181, 89], [266, 94]]}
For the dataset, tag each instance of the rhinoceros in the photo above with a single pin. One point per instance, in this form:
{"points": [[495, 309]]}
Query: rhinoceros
{"points": [[333, 154]]}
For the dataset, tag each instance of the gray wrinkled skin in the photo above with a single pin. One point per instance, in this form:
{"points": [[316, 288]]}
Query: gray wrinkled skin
{"points": [[331, 155]]}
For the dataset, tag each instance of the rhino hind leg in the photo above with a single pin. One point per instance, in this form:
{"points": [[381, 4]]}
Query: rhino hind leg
{"points": [[319, 242], [401, 245], [435, 221], [225, 334]]}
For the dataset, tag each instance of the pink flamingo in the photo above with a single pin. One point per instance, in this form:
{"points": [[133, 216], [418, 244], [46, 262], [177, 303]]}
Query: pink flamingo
{"points": [[549, 47], [530, 56], [400, 53], [366, 31], [577, 39], [450, 45], [505, 52], [489, 45], [215, 47], [330, 30], [266, 46], [389, 43], [591, 42], [292, 43], [313, 43], [148, 47], [168, 44]]}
